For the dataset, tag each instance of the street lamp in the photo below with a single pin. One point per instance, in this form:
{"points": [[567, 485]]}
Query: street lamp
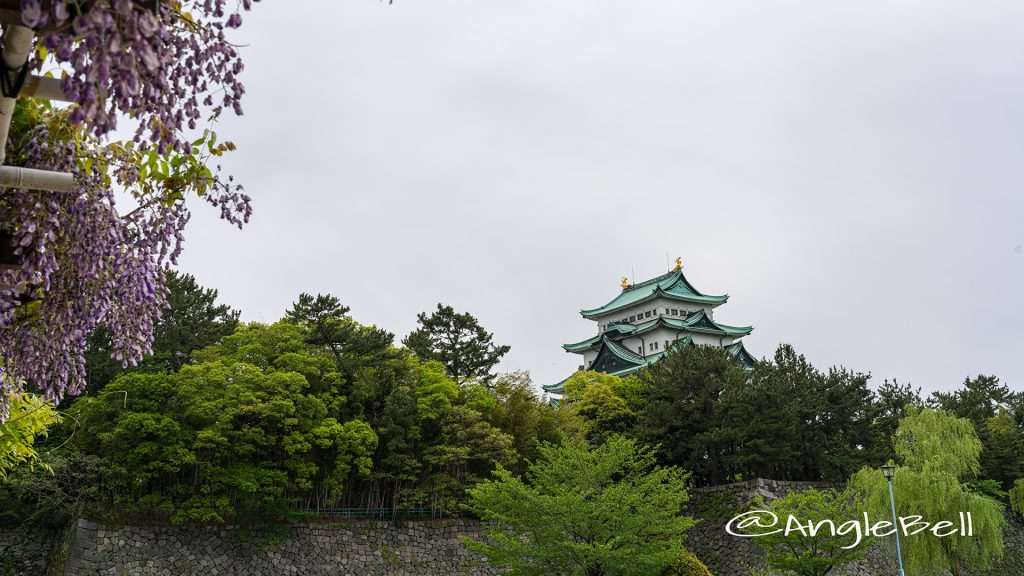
{"points": [[889, 471]]}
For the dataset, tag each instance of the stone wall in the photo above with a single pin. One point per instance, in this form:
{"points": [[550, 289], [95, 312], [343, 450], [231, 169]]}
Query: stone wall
{"points": [[727, 555], [23, 554], [353, 548]]}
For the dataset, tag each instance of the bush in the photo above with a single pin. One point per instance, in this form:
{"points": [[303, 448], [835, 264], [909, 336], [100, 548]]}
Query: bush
{"points": [[687, 565]]}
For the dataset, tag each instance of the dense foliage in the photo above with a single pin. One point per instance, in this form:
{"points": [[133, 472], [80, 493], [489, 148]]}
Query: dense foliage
{"points": [[606, 511], [784, 420], [315, 411], [937, 452]]}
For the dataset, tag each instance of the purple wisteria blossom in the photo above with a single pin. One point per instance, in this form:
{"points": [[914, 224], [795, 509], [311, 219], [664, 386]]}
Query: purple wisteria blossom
{"points": [[81, 262]]}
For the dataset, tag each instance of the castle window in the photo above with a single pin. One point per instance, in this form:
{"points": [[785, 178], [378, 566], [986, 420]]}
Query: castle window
{"points": [[639, 349], [666, 344], [647, 314], [674, 312], [632, 318]]}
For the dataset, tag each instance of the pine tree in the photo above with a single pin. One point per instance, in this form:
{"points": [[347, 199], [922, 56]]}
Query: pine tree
{"points": [[458, 341]]}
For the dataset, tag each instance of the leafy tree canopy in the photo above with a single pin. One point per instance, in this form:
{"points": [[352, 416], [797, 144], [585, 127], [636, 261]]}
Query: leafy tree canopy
{"points": [[315, 410], [608, 510]]}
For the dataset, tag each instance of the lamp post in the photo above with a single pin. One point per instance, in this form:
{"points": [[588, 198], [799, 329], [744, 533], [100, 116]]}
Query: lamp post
{"points": [[889, 471]]}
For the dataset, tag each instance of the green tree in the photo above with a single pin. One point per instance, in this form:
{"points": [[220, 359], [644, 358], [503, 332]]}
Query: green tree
{"points": [[609, 510], [788, 420], [251, 424], [816, 549], [399, 430], [978, 399], [324, 316], [631, 389], [458, 341], [605, 413], [938, 452], [1002, 459]]}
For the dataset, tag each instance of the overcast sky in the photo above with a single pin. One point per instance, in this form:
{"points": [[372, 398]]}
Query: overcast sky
{"points": [[850, 171]]}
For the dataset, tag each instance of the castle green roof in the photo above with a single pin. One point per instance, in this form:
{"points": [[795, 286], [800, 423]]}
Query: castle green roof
{"points": [[672, 285], [740, 354], [616, 360], [702, 322], [699, 322], [584, 344]]}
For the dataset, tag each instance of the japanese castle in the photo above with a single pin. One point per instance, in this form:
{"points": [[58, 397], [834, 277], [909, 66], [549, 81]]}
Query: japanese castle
{"points": [[647, 320]]}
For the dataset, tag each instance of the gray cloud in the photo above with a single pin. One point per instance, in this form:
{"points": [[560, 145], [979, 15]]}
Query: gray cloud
{"points": [[848, 171]]}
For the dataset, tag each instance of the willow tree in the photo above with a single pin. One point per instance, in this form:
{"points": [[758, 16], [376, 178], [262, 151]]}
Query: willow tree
{"points": [[28, 418], [938, 453], [1017, 497]]}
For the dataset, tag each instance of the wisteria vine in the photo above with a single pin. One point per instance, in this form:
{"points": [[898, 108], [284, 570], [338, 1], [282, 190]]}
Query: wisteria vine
{"points": [[81, 262], [159, 61]]}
